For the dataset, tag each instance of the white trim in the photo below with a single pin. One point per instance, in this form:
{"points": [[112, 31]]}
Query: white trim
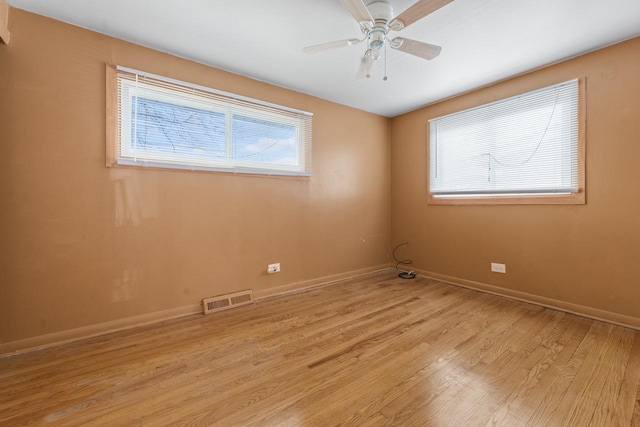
{"points": [[211, 90], [237, 169]]}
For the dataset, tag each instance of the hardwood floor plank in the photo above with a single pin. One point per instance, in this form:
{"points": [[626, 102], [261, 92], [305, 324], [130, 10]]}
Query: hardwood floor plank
{"points": [[612, 371], [629, 397], [635, 419], [491, 380], [576, 407], [553, 382], [466, 349], [443, 378], [518, 406]]}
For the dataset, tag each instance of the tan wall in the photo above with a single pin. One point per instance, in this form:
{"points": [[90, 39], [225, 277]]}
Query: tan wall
{"points": [[87, 245], [4, 17], [585, 255]]}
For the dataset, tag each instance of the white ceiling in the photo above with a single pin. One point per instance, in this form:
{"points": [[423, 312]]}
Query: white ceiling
{"points": [[483, 41]]}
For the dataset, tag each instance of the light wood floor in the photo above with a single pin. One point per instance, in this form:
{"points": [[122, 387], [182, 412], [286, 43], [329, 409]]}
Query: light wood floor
{"points": [[376, 351]]}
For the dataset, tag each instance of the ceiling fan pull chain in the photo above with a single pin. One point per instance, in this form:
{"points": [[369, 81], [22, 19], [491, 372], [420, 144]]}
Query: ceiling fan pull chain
{"points": [[385, 63]]}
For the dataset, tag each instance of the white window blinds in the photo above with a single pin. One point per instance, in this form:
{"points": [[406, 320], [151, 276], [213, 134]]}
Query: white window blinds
{"points": [[167, 123], [527, 144]]}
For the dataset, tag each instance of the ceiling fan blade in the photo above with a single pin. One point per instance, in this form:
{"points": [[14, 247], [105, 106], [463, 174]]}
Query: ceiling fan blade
{"points": [[415, 47], [358, 10], [331, 45], [416, 12], [365, 66]]}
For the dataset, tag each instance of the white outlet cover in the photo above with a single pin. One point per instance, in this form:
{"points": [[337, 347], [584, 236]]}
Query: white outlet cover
{"points": [[273, 268], [498, 268]]}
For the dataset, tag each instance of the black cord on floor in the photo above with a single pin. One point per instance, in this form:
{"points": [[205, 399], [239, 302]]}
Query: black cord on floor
{"points": [[403, 274]]}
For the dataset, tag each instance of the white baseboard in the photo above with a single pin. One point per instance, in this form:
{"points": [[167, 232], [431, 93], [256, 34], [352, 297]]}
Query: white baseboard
{"points": [[580, 310]]}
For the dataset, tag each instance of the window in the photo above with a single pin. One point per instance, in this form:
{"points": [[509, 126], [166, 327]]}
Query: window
{"points": [[166, 123], [524, 149]]}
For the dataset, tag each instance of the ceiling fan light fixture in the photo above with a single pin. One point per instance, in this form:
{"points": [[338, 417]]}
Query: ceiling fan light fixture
{"points": [[366, 64], [376, 52], [376, 43]]}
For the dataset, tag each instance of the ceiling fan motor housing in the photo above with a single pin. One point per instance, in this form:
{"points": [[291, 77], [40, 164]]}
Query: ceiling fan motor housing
{"points": [[381, 12]]}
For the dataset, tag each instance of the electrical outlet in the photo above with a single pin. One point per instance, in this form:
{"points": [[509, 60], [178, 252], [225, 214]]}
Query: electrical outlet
{"points": [[498, 268], [273, 268]]}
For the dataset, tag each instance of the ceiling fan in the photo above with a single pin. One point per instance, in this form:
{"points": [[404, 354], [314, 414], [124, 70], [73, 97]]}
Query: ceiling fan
{"points": [[376, 20]]}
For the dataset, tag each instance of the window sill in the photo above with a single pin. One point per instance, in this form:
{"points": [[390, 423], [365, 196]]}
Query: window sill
{"points": [[219, 171], [547, 199]]}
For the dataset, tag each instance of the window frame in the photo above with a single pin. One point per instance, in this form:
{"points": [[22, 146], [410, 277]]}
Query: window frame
{"points": [[578, 197], [120, 95]]}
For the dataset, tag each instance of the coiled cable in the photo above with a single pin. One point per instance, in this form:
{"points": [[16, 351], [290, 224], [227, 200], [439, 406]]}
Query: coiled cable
{"points": [[403, 274]]}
